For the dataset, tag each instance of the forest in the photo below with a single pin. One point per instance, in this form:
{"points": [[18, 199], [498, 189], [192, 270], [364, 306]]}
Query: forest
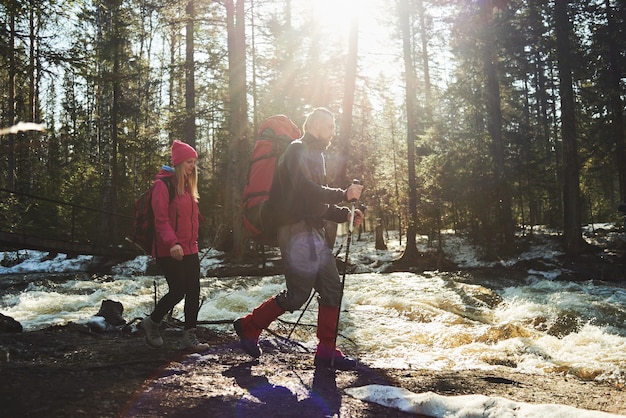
{"points": [[485, 117]]}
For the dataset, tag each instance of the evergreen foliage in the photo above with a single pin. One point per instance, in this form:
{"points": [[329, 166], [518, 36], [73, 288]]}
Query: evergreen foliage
{"points": [[108, 79]]}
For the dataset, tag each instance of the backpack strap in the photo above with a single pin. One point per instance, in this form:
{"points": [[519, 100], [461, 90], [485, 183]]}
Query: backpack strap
{"points": [[170, 187]]}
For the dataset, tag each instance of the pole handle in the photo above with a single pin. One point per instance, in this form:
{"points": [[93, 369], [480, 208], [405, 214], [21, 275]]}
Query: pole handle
{"points": [[355, 181], [353, 202]]}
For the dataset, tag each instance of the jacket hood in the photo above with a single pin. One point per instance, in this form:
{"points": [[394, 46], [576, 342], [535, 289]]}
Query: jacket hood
{"points": [[166, 171]]}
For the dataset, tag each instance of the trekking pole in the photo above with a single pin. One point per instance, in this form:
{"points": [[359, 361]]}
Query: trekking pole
{"points": [[345, 269], [301, 314]]}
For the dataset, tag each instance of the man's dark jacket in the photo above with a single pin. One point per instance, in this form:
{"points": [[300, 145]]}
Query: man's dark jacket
{"points": [[299, 190]]}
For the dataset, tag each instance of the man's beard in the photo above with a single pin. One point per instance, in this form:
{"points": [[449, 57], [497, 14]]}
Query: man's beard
{"points": [[320, 144]]}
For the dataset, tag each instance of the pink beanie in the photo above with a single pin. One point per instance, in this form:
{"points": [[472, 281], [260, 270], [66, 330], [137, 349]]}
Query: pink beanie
{"points": [[182, 152]]}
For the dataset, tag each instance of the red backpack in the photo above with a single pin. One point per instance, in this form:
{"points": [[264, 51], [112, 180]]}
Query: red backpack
{"points": [[275, 133], [143, 236]]}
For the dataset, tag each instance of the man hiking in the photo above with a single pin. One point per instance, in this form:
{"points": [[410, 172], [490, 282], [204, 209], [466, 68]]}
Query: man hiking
{"points": [[302, 202]]}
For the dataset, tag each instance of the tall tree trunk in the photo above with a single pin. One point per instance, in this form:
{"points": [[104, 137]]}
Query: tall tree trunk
{"points": [[255, 93], [189, 128], [31, 169], [345, 130], [616, 106], [410, 252], [236, 170], [542, 106], [286, 87], [110, 46], [494, 126], [426, 64], [572, 230], [11, 113], [172, 76], [394, 150], [111, 221]]}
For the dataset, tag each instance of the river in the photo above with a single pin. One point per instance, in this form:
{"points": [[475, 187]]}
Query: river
{"points": [[431, 320]]}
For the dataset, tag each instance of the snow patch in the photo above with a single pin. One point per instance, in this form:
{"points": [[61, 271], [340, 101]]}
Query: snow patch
{"points": [[465, 406]]}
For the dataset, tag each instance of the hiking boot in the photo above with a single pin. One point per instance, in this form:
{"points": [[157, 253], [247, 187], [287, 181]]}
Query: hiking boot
{"points": [[327, 354], [249, 345], [325, 358], [153, 334], [189, 341], [249, 327]]}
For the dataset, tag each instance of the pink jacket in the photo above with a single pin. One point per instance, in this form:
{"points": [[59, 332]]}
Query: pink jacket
{"points": [[175, 222]]}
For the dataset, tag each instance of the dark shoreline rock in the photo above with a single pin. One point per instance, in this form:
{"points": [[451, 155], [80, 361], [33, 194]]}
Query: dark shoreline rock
{"points": [[8, 324]]}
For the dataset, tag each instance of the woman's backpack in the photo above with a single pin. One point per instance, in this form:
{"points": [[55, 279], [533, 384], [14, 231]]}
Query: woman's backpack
{"points": [[143, 236]]}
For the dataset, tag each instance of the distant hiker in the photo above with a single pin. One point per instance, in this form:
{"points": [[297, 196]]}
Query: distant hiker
{"points": [[303, 201], [176, 247]]}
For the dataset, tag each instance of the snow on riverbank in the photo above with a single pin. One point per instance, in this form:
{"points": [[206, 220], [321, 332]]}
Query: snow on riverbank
{"points": [[465, 406]]}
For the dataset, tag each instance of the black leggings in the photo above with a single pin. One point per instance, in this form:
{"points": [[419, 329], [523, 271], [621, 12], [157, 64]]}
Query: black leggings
{"points": [[183, 281]]}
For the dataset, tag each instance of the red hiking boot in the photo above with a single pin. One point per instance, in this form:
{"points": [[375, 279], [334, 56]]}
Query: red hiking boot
{"points": [[327, 355], [249, 327]]}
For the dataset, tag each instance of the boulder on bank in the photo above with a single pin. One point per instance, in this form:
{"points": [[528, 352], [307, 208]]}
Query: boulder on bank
{"points": [[8, 324], [108, 318]]}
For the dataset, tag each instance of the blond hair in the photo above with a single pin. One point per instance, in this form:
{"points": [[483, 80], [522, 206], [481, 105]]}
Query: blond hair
{"points": [[192, 181]]}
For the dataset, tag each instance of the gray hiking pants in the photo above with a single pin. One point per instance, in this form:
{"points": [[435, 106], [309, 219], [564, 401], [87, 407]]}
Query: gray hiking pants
{"points": [[309, 264]]}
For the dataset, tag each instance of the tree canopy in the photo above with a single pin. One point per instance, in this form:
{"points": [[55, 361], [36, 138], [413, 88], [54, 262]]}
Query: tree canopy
{"points": [[487, 117]]}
